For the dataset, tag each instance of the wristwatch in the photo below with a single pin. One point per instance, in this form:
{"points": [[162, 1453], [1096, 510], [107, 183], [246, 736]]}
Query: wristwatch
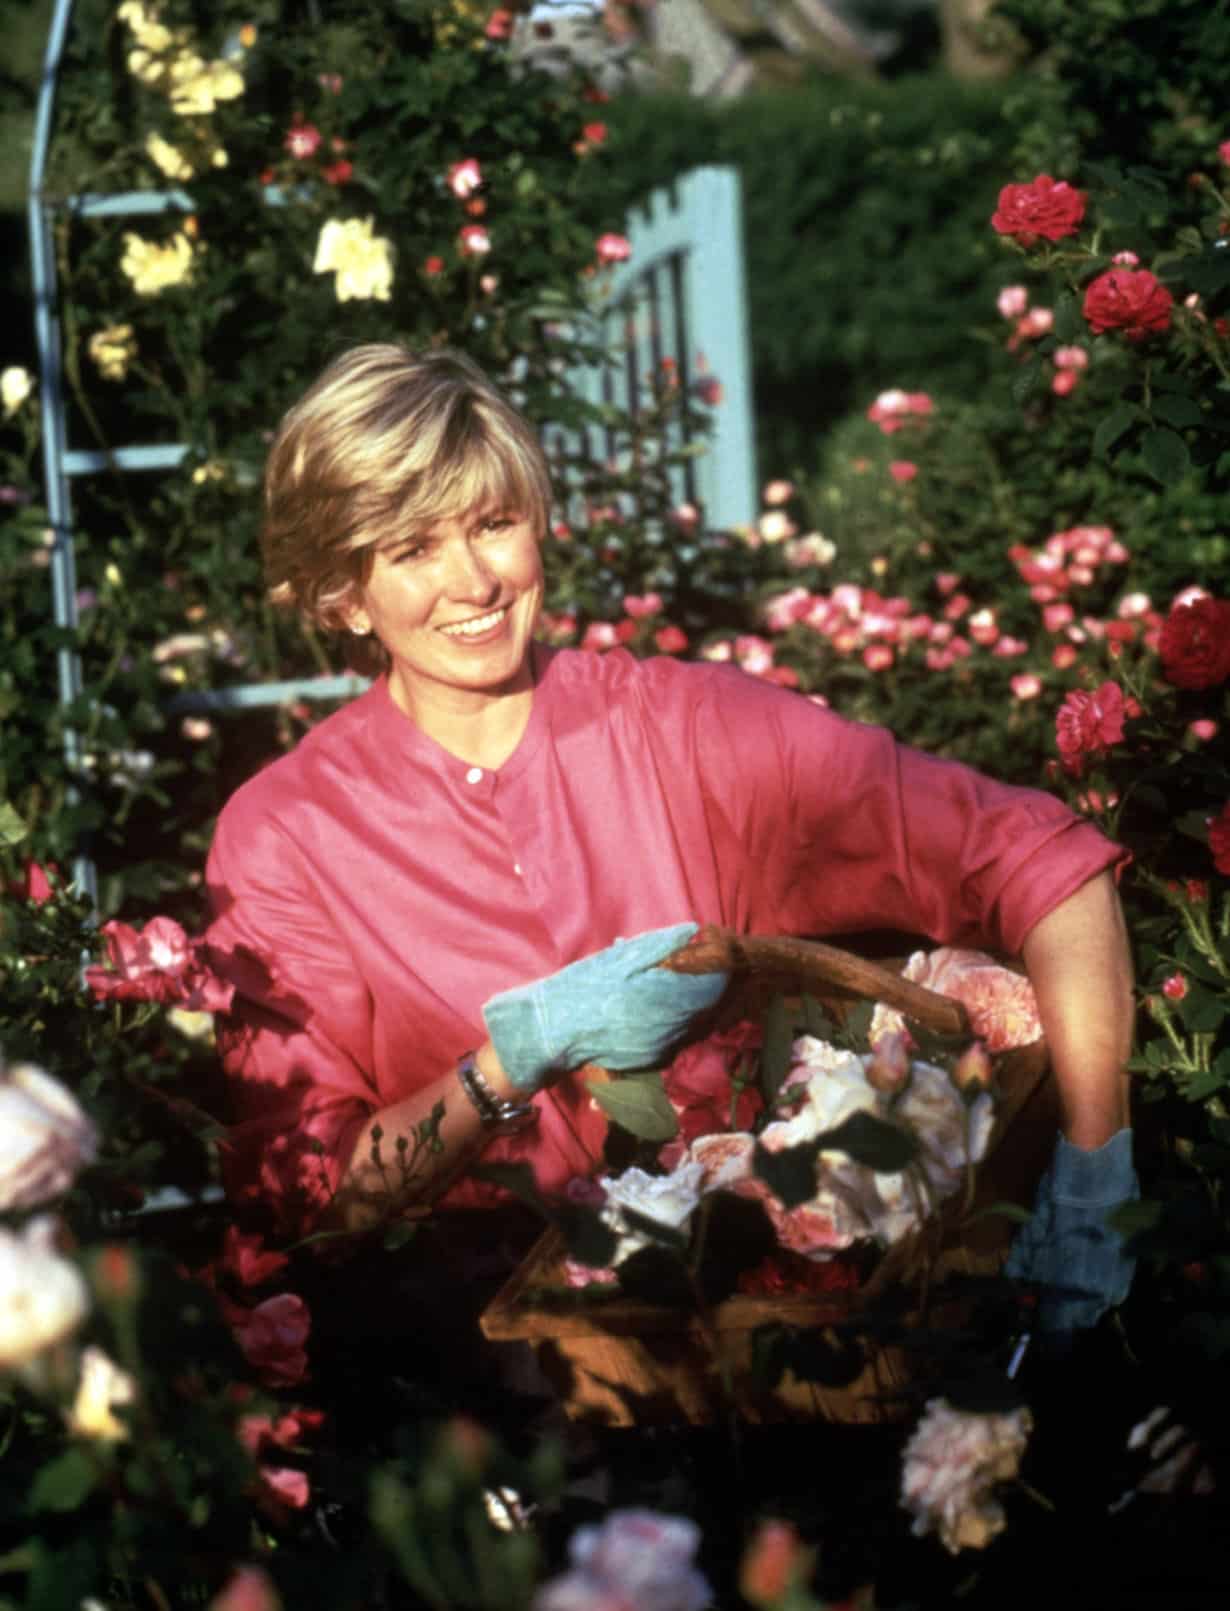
{"points": [[494, 1111]]}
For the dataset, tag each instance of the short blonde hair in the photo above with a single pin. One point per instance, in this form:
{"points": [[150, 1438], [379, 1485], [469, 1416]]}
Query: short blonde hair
{"points": [[386, 440]]}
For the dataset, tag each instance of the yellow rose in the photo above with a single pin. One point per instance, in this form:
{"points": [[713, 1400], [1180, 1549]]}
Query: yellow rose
{"points": [[165, 157], [211, 470], [146, 28], [113, 349], [154, 265], [197, 86], [16, 384], [362, 262]]}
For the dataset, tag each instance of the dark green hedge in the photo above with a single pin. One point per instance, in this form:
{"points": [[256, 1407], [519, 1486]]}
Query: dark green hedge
{"points": [[868, 257]]}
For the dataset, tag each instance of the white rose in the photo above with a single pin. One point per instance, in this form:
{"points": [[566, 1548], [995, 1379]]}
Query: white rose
{"points": [[45, 1138], [16, 384], [102, 1388], [43, 1297], [152, 265], [361, 261], [667, 1200], [950, 1466]]}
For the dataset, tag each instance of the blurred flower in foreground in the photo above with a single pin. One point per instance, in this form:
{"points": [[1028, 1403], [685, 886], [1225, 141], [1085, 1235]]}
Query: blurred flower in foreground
{"points": [[43, 1297], [250, 1588], [16, 384], [102, 1389], [950, 1465], [45, 1138], [635, 1559]]}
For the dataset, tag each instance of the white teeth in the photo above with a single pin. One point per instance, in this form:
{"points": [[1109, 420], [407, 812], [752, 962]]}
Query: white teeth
{"points": [[474, 629]]}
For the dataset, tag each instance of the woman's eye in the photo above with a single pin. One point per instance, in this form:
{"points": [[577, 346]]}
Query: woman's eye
{"points": [[410, 552], [498, 523]]}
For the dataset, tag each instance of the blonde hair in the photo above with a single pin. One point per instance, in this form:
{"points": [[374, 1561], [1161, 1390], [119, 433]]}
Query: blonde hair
{"points": [[386, 440]]}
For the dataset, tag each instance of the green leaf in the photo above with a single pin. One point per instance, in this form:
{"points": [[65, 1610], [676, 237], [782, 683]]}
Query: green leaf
{"points": [[1140, 1215], [1068, 326], [12, 827], [1026, 379], [639, 1104], [1010, 1211], [1172, 408], [64, 1483], [883, 1146], [1202, 1010], [1112, 426], [1165, 456]]}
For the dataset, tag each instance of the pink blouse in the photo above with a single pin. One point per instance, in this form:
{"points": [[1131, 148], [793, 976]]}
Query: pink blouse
{"points": [[371, 891]]}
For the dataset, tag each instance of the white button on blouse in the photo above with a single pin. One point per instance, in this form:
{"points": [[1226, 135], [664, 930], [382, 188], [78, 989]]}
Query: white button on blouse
{"points": [[474, 775]]}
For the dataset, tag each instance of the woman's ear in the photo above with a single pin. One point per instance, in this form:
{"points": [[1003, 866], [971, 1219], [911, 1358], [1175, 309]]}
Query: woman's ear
{"points": [[356, 619]]}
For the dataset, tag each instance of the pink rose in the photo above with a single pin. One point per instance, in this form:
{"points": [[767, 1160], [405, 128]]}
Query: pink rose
{"points": [[671, 639], [1089, 725], [1174, 988], [158, 964], [1129, 300], [599, 635], [612, 248], [1026, 686], [902, 470], [698, 1082], [302, 140], [878, 656], [636, 1560], [474, 240], [249, 1588], [271, 1336], [1012, 301], [1046, 209], [640, 605], [464, 178]]}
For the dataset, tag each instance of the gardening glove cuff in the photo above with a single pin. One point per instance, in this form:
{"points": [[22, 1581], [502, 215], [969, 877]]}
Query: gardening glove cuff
{"points": [[616, 1008]]}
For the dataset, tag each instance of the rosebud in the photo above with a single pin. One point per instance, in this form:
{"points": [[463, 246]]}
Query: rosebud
{"points": [[1175, 987], [971, 1074], [116, 1274], [774, 1562], [889, 1068]]}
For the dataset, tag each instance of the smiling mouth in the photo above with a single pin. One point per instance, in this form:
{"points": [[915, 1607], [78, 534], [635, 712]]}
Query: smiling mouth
{"points": [[477, 627]]}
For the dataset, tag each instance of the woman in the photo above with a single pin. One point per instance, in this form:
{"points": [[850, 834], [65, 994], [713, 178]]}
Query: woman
{"points": [[397, 899]]}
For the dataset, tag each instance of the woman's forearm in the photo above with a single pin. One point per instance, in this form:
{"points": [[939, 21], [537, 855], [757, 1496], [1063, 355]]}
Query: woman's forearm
{"points": [[370, 1190], [1080, 966]]}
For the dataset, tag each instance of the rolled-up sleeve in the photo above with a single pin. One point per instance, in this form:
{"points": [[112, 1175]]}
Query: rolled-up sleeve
{"points": [[851, 830], [297, 1039]]}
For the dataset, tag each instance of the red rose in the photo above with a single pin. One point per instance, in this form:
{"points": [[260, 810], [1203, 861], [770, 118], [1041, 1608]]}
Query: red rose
{"points": [[698, 1082], [1131, 300], [1047, 208], [1219, 839], [1195, 644], [1089, 724]]}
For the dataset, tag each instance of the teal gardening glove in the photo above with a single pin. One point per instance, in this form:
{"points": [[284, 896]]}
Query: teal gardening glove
{"points": [[615, 1008], [1067, 1248]]}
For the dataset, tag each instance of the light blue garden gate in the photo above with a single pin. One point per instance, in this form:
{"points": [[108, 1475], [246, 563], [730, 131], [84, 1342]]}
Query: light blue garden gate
{"points": [[680, 295]]}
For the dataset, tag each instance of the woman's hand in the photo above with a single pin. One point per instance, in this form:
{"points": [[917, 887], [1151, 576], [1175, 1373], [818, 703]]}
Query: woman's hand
{"points": [[615, 1008]]}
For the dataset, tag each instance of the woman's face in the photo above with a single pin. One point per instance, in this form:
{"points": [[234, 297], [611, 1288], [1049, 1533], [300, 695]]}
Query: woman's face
{"points": [[455, 603]]}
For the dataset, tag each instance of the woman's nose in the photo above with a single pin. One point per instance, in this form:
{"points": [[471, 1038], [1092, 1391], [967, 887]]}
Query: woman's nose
{"points": [[470, 579]]}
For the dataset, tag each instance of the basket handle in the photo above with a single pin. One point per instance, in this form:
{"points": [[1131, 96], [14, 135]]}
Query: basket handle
{"points": [[718, 950]]}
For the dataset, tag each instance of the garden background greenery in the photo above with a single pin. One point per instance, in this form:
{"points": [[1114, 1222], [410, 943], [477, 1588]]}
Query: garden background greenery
{"points": [[995, 519]]}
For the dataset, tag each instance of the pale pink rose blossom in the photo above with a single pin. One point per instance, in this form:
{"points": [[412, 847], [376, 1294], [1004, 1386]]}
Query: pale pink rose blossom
{"points": [[1064, 382], [43, 1297], [784, 609], [1070, 358], [1012, 301], [778, 492], [902, 470], [599, 635], [1057, 616], [1026, 686], [775, 526], [1081, 575], [983, 627], [938, 659], [1203, 729], [878, 656], [635, 1560], [947, 582], [642, 605], [45, 1137], [957, 607], [1063, 656], [1008, 647], [811, 549], [1037, 322], [474, 240], [960, 648], [950, 1467], [1125, 259]]}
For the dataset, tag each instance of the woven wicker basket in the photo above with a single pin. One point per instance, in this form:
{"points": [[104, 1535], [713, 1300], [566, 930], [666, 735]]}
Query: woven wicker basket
{"points": [[621, 1362]]}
